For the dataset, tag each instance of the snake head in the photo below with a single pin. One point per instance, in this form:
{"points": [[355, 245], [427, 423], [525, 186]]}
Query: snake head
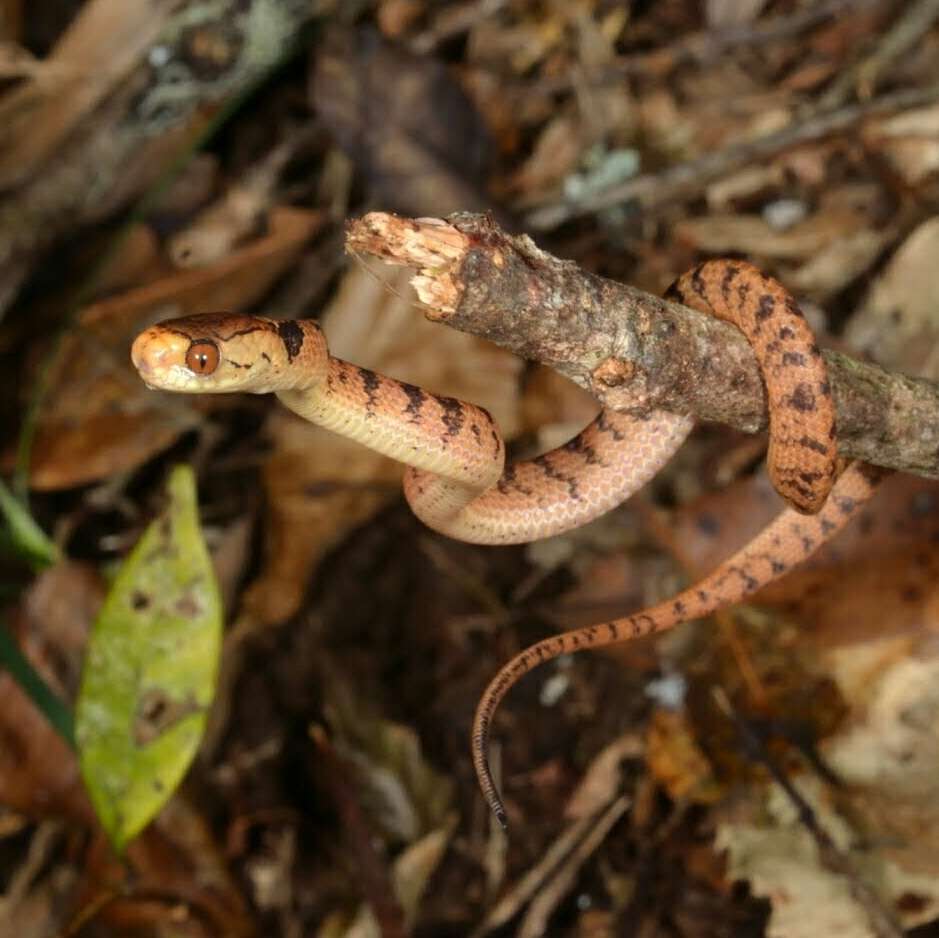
{"points": [[220, 353]]}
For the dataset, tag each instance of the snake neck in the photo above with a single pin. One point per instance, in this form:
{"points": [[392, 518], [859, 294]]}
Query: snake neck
{"points": [[393, 418]]}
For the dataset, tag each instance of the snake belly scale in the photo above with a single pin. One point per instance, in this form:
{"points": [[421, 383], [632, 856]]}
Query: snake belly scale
{"points": [[457, 481]]}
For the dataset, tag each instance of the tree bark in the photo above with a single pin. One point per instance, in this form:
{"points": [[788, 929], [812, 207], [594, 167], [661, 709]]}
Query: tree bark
{"points": [[633, 351]]}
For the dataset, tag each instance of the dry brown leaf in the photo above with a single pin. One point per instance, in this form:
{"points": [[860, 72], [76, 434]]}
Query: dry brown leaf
{"points": [[603, 777], [396, 17], [884, 747], [405, 119], [177, 856], [319, 487], [832, 268], [747, 183], [100, 418], [517, 46], [39, 773], [878, 575], [875, 595], [134, 260], [239, 212], [556, 153], [667, 127], [910, 143], [768, 846], [897, 324], [887, 753], [719, 234], [102, 44], [723, 13], [675, 759]]}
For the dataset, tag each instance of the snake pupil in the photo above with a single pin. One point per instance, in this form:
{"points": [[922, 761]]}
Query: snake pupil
{"points": [[202, 357]]}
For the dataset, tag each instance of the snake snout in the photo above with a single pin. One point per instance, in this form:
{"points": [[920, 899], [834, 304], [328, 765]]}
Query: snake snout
{"points": [[154, 356]]}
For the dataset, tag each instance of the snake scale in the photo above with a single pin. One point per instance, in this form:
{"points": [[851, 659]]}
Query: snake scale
{"points": [[457, 481]]}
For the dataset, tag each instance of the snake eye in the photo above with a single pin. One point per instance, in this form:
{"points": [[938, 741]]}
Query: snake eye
{"points": [[202, 357]]}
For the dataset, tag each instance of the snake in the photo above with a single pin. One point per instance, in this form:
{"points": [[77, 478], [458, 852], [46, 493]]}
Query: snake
{"points": [[457, 481]]}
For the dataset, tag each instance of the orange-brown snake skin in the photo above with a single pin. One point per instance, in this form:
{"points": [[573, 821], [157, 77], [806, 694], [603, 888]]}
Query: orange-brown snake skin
{"points": [[458, 484]]}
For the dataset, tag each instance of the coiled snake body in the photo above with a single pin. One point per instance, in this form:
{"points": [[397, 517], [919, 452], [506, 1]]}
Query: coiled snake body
{"points": [[457, 481]]}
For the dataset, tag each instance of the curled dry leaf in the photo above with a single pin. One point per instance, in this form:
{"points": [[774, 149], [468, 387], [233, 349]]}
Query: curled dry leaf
{"points": [[839, 263], [887, 755], [722, 234], [767, 845], [910, 143], [897, 324], [603, 777]]}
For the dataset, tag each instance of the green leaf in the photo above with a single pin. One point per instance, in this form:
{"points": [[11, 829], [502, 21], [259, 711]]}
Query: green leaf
{"points": [[150, 669], [26, 537]]}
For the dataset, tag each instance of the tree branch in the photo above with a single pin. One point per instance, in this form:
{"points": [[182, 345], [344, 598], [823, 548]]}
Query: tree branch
{"points": [[631, 350]]}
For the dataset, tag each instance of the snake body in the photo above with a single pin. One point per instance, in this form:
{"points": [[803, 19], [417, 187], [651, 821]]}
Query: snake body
{"points": [[457, 481]]}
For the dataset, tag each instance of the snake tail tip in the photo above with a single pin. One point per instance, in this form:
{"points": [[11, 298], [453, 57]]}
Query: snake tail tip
{"points": [[502, 819]]}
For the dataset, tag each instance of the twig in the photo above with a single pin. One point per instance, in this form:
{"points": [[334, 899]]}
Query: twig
{"points": [[704, 47], [563, 858], [374, 877], [881, 921], [631, 350], [208, 53], [452, 22], [686, 179], [862, 78]]}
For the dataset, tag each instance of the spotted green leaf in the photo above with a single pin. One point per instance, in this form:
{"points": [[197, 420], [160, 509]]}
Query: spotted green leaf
{"points": [[150, 669]]}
